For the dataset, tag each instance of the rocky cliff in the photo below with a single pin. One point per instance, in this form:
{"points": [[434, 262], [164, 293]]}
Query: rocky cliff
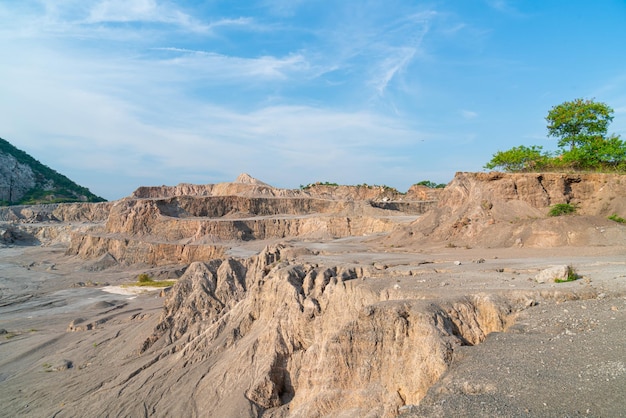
{"points": [[503, 210], [186, 223]]}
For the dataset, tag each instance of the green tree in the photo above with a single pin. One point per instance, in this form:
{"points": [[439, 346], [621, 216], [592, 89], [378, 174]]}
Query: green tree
{"points": [[519, 159], [581, 126], [579, 123]]}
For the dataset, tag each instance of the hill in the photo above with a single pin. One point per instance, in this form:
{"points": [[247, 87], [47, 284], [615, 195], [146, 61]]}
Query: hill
{"points": [[26, 181]]}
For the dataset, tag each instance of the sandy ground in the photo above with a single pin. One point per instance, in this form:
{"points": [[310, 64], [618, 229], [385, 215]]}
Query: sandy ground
{"points": [[67, 330]]}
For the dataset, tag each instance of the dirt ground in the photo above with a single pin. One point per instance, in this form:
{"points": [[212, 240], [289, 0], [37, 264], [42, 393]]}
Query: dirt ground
{"points": [[563, 356]]}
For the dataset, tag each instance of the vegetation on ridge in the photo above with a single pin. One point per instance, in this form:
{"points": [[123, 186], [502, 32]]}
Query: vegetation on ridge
{"points": [[431, 184], [368, 186], [61, 189], [581, 128]]}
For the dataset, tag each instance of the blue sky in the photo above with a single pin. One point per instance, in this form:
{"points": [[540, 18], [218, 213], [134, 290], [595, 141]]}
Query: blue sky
{"points": [[116, 94]]}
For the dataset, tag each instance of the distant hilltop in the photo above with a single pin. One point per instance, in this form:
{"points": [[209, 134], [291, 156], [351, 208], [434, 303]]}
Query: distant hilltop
{"points": [[25, 181]]}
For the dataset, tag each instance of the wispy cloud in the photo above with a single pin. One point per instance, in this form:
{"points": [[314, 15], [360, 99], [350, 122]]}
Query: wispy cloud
{"points": [[390, 66], [150, 11], [381, 49], [468, 114], [217, 67], [506, 6]]}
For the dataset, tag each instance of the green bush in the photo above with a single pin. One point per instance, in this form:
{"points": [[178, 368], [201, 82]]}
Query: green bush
{"points": [[618, 219], [519, 159], [147, 281], [144, 278], [562, 209]]}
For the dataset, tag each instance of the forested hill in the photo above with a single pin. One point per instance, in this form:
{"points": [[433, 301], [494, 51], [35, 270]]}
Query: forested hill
{"points": [[25, 181]]}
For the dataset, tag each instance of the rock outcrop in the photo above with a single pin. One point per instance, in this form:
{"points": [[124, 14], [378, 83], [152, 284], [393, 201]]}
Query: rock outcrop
{"points": [[187, 223], [15, 179], [267, 337], [504, 210]]}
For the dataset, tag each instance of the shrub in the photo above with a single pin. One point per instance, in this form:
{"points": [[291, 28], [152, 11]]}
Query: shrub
{"points": [[616, 218], [562, 209], [144, 278]]}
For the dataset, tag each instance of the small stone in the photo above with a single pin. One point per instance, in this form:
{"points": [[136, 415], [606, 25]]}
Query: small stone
{"points": [[457, 263], [380, 266], [63, 365]]}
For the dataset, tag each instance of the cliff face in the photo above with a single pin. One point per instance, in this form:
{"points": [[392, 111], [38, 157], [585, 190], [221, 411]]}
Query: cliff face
{"points": [[500, 209], [15, 179], [186, 228]]}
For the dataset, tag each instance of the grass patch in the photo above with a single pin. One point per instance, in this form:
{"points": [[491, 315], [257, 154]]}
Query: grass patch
{"points": [[155, 283], [617, 219], [143, 280], [561, 209]]}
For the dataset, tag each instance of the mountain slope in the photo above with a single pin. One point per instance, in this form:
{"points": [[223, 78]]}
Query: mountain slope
{"points": [[24, 180]]}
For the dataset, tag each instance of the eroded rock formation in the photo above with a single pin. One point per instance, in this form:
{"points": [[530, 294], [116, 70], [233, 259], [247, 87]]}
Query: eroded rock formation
{"points": [[301, 340], [187, 223], [504, 210]]}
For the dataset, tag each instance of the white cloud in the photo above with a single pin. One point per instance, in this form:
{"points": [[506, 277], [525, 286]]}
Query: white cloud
{"points": [[218, 67], [87, 19], [505, 6], [391, 66], [468, 114], [111, 11]]}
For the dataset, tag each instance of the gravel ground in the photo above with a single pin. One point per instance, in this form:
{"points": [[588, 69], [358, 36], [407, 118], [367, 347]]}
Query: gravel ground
{"points": [[559, 360]]}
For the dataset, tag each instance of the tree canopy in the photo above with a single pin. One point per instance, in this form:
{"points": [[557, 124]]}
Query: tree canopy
{"points": [[579, 122], [581, 128]]}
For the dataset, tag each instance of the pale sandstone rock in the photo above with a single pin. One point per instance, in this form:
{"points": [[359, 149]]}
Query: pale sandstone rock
{"points": [[550, 275], [504, 210]]}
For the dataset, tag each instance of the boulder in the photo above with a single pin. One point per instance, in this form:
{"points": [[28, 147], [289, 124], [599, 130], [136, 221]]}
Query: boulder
{"points": [[553, 274]]}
